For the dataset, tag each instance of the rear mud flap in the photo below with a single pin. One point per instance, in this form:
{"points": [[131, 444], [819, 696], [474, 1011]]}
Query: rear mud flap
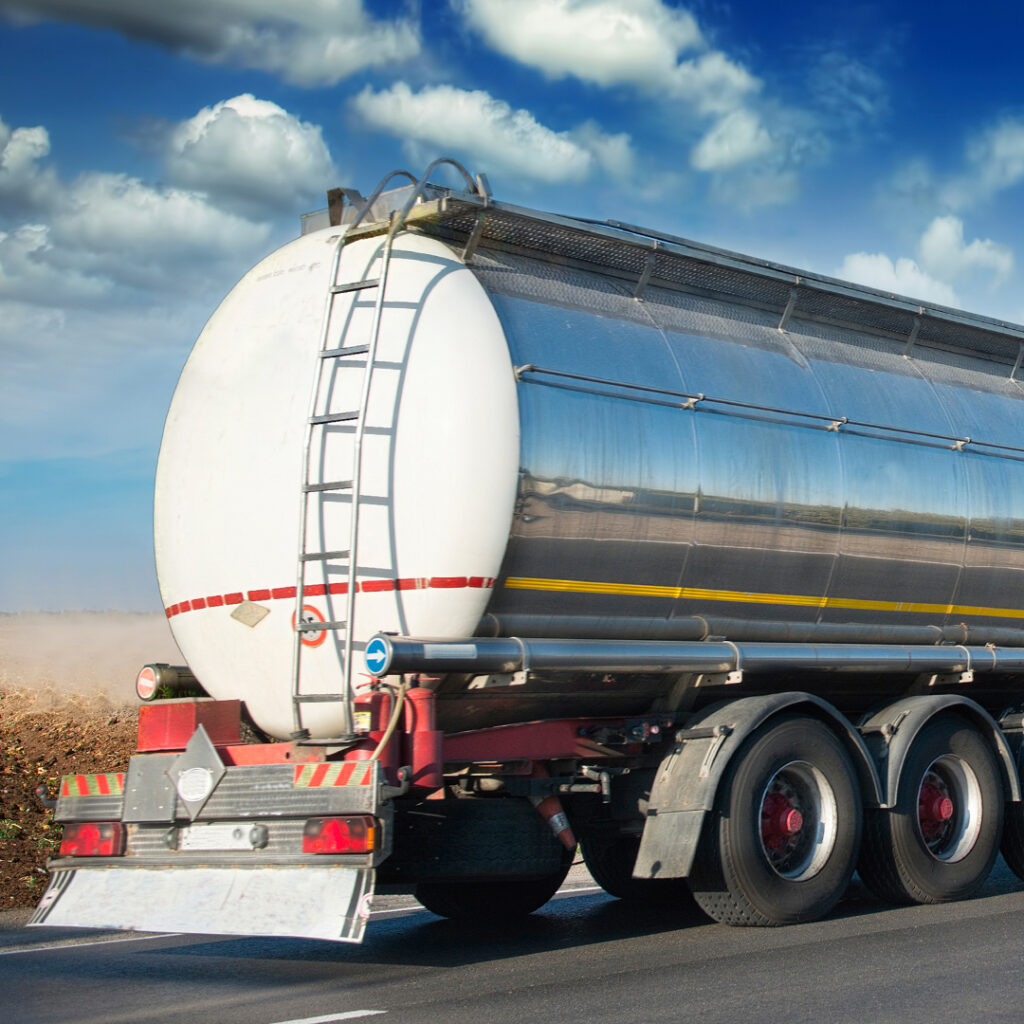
{"points": [[330, 902]]}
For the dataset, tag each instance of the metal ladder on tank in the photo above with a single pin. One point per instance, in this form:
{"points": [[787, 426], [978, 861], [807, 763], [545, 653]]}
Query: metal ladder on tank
{"points": [[329, 359]]}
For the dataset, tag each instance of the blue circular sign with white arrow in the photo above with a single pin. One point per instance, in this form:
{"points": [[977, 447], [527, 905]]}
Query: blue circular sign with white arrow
{"points": [[376, 655]]}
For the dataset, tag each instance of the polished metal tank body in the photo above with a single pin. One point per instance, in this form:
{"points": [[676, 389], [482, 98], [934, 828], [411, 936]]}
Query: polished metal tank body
{"points": [[684, 458]]}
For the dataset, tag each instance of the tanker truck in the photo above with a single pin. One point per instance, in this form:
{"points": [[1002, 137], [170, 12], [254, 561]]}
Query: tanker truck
{"points": [[493, 534]]}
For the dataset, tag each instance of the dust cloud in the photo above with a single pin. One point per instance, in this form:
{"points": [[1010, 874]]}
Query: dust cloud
{"points": [[67, 655]]}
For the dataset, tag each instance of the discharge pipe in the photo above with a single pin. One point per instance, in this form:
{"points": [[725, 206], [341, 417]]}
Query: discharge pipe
{"points": [[389, 655]]}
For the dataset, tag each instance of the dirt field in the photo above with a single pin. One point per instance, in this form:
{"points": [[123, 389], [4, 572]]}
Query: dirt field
{"points": [[67, 705]]}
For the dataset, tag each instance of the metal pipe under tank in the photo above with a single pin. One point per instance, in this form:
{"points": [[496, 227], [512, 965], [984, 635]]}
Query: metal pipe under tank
{"points": [[388, 655]]}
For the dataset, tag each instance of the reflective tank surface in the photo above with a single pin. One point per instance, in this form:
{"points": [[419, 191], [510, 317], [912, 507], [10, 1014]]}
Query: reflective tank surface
{"points": [[577, 431], [821, 479]]}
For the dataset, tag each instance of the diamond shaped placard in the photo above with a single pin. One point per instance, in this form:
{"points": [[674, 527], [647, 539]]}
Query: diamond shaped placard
{"points": [[196, 772]]}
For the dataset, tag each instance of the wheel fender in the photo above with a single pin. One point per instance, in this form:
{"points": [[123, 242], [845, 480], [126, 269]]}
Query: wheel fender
{"points": [[889, 734], [687, 779]]}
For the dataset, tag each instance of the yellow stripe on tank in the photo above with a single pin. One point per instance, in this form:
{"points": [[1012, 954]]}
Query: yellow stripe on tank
{"points": [[748, 597]]}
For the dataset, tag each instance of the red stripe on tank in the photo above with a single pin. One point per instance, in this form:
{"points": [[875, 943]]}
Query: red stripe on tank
{"points": [[320, 590]]}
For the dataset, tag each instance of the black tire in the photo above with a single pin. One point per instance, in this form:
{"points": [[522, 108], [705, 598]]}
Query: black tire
{"points": [[781, 843], [920, 851], [491, 901], [610, 862]]}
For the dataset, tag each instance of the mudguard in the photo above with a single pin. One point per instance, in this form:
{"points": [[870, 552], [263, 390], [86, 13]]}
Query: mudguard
{"points": [[889, 734], [687, 781]]}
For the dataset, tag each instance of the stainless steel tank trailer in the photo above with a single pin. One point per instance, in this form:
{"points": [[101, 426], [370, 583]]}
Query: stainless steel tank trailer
{"points": [[466, 512]]}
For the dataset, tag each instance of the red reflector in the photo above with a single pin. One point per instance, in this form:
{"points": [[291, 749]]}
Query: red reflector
{"points": [[356, 834], [93, 839]]}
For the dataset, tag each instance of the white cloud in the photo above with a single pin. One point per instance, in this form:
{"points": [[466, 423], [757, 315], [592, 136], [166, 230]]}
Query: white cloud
{"points": [[751, 149], [943, 252], [944, 260], [735, 139], [995, 161], [496, 137], [613, 153], [712, 83], [23, 183], [242, 161], [29, 275], [641, 43], [119, 227], [249, 154], [607, 42], [104, 288], [316, 42], [753, 165], [904, 277], [99, 307]]}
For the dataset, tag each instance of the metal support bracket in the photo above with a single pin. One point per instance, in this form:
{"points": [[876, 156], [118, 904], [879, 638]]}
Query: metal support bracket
{"points": [[335, 204], [949, 678], [913, 333], [474, 238], [1016, 365], [499, 680], [794, 294], [733, 678], [645, 276]]}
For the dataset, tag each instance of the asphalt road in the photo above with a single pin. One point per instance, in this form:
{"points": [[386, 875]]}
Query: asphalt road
{"points": [[584, 957]]}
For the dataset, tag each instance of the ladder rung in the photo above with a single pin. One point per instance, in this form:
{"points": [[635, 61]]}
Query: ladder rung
{"points": [[365, 499], [355, 286], [324, 556], [347, 428], [334, 417], [329, 485], [339, 353], [318, 698], [316, 627]]}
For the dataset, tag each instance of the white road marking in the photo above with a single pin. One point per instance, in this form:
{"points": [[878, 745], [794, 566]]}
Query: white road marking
{"points": [[350, 1015], [580, 891]]}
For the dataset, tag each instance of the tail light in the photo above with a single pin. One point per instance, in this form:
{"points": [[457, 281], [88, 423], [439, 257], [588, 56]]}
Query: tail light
{"points": [[93, 839], [355, 834]]}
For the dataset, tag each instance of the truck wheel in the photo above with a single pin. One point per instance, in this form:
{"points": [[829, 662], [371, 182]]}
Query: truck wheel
{"points": [[610, 862], [781, 842], [487, 901], [940, 840]]}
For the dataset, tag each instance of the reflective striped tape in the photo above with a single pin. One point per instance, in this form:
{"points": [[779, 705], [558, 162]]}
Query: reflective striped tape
{"points": [[334, 773], [107, 784], [748, 597]]}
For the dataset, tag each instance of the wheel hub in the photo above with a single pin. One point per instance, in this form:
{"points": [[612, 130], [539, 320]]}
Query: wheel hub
{"points": [[780, 820], [797, 820], [949, 808], [934, 808]]}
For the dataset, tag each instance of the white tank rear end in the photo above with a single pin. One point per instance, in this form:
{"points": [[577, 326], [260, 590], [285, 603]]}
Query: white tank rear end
{"points": [[438, 483]]}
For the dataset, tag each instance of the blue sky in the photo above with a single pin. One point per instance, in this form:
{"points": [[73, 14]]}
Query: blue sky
{"points": [[151, 153]]}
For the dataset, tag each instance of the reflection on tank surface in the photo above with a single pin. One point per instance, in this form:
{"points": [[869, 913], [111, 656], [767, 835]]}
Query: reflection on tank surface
{"points": [[683, 456]]}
